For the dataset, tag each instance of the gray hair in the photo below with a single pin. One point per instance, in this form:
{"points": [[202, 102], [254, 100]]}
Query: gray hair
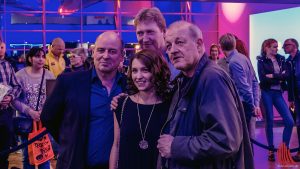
{"points": [[80, 51], [227, 42], [195, 31], [112, 34]]}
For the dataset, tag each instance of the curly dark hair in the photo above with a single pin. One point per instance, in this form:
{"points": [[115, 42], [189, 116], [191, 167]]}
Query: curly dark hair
{"points": [[32, 52], [154, 61]]}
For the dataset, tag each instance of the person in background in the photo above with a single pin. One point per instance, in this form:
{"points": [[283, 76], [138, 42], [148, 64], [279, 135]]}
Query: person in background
{"points": [[139, 117], [30, 80], [243, 75], [78, 62], [241, 47], [77, 113], [55, 61], [7, 78], [290, 47], [214, 52], [273, 74]]}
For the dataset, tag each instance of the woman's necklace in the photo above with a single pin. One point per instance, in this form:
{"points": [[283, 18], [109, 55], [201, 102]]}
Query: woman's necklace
{"points": [[144, 143]]}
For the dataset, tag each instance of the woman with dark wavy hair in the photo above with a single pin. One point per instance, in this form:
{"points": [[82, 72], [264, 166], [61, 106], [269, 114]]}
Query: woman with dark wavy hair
{"points": [[140, 116], [28, 104]]}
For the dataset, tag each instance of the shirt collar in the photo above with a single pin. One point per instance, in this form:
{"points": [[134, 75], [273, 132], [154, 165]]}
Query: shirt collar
{"points": [[94, 76], [290, 58], [231, 54]]}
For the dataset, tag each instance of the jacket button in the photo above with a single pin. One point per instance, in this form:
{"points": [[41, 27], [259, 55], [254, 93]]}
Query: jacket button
{"points": [[184, 109]]}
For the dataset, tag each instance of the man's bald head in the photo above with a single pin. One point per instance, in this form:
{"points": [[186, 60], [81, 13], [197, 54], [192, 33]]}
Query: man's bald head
{"points": [[57, 47], [57, 41], [108, 52], [194, 31], [110, 35]]}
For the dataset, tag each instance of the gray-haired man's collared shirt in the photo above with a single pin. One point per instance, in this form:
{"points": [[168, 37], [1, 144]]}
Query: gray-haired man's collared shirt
{"points": [[241, 71]]}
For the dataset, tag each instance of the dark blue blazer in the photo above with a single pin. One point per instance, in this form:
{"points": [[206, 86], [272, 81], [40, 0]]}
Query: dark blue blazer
{"points": [[65, 115]]}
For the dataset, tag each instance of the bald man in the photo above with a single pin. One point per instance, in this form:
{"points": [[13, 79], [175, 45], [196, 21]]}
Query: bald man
{"points": [[54, 59], [77, 113]]}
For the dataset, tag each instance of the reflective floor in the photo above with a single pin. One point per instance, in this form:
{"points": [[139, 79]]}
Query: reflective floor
{"points": [[260, 155]]}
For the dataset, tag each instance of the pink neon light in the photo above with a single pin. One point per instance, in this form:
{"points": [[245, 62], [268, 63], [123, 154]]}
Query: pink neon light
{"points": [[233, 11], [62, 11]]}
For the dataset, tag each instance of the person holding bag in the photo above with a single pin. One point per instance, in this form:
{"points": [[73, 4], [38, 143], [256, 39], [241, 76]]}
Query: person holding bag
{"points": [[33, 82]]}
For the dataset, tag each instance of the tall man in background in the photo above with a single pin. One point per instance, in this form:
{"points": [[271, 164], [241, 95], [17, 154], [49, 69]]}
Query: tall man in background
{"points": [[151, 28]]}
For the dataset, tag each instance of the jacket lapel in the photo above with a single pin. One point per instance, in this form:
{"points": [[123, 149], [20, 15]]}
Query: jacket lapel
{"points": [[85, 94], [185, 94]]}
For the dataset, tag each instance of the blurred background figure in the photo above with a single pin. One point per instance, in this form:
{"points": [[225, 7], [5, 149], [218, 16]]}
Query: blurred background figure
{"points": [[290, 47], [55, 61], [7, 78], [241, 47], [78, 62], [214, 52]]}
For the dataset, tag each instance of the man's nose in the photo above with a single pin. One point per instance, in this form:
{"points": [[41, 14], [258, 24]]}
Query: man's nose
{"points": [[173, 49], [146, 37], [105, 54]]}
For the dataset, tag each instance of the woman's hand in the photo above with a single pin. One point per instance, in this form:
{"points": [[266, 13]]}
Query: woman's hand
{"points": [[5, 101], [35, 115], [114, 102]]}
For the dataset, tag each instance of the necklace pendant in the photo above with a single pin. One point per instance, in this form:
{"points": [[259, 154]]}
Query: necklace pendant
{"points": [[143, 144]]}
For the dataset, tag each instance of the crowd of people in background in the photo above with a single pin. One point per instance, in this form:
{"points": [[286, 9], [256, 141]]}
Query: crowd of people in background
{"points": [[175, 106]]}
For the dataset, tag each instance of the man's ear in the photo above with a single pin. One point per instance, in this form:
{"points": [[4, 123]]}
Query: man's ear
{"points": [[164, 33], [199, 43], [123, 55]]}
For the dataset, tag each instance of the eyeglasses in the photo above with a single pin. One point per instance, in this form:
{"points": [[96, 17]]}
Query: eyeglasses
{"points": [[71, 55]]}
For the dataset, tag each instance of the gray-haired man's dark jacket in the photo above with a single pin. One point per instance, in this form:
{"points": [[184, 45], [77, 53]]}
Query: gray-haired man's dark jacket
{"points": [[207, 122]]}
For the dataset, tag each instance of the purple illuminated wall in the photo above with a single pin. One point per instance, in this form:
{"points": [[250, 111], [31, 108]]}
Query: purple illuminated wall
{"points": [[241, 26]]}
